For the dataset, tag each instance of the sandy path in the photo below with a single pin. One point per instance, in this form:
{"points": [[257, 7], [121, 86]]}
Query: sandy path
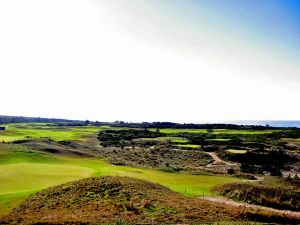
{"points": [[219, 161], [288, 213]]}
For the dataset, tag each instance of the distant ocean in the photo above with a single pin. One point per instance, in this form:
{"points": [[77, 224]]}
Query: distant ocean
{"points": [[272, 123]]}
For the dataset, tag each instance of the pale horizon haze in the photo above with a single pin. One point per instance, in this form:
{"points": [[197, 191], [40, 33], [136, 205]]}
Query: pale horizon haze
{"points": [[150, 60]]}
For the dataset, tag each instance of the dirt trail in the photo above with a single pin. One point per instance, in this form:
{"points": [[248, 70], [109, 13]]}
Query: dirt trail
{"points": [[251, 206], [218, 161]]}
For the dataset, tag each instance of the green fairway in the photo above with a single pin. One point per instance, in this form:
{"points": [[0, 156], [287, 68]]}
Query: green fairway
{"points": [[175, 130], [18, 156], [234, 151], [18, 181], [189, 146], [28, 177], [25, 172], [161, 139], [9, 201], [219, 139], [58, 133]]}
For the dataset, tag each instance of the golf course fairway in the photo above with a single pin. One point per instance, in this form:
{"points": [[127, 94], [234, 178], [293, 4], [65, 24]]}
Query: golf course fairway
{"points": [[19, 180]]}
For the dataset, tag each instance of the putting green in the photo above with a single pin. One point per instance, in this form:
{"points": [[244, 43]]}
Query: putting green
{"points": [[28, 177], [20, 180]]}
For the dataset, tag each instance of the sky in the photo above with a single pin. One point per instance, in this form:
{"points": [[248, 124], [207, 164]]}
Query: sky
{"points": [[151, 60]]}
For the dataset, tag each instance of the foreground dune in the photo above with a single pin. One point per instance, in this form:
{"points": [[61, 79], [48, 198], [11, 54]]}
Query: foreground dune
{"points": [[110, 199]]}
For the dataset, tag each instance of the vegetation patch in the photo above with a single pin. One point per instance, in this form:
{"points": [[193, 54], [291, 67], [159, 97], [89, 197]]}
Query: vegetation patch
{"points": [[295, 142], [258, 161], [157, 157], [279, 198], [124, 137]]}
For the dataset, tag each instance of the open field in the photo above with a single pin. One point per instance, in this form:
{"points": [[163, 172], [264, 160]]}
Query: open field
{"points": [[23, 173]]}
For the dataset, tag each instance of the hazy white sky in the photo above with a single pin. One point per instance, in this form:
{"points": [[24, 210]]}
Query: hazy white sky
{"points": [[143, 60]]}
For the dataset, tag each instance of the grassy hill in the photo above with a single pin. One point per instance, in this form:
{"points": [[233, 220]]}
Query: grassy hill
{"points": [[111, 199]]}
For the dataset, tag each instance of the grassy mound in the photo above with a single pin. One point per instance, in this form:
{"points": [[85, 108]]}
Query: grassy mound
{"points": [[279, 198], [110, 199]]}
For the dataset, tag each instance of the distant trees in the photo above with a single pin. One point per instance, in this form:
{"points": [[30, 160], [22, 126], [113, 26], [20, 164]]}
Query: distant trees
{"points": [[21, 119], [162, 125], [121, 138]]}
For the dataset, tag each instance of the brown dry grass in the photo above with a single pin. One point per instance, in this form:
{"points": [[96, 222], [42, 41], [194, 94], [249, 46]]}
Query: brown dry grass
{"points": [[158, 157], [278, 198]]}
